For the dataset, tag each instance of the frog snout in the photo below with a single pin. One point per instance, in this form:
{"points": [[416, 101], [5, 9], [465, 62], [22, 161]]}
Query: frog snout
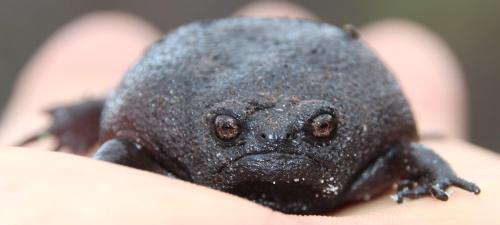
{"points": [[275, 136]]}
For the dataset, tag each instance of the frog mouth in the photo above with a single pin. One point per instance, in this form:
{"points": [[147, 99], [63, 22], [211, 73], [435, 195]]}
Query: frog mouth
{"points": [[280, 181], [269, 156], [273, 168]]}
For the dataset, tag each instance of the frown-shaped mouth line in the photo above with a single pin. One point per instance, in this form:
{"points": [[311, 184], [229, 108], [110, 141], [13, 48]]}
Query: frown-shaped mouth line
{"points": [[263, 153]]}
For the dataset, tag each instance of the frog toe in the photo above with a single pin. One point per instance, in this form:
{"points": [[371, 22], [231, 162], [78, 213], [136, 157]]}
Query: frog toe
{"points": [[439, 191], [410, 193], [437, 188], [466, 185]]}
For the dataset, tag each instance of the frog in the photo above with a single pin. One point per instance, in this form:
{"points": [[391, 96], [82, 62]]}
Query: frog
{"points": [[297, 115]]}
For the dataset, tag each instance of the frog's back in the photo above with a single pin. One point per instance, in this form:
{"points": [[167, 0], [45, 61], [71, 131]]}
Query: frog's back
{"points": [[205, 62]]}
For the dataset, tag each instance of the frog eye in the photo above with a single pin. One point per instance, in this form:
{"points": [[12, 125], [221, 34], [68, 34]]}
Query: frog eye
{"points": [[322, 126], [227, 128]]}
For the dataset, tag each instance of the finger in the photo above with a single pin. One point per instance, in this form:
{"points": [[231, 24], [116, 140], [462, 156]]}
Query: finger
{"points": [[77, 190], [428, 72], [273, 9], [86, 58], [65, 189]]}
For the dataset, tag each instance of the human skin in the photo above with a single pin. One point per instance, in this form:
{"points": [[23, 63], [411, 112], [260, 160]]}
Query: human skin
{"points": [[86, 58]]}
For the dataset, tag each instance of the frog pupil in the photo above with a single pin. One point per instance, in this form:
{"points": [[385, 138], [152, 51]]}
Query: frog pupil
{"points": [[322, 126], [226, 127]]}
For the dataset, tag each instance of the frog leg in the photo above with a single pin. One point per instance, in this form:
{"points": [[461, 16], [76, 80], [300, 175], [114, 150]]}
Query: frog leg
{"points": [[418, 171], [75, 126], [127, 153], [375, 179]]}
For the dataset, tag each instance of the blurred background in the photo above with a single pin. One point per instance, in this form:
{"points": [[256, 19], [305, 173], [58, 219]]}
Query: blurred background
{"points": [[471, 28]]}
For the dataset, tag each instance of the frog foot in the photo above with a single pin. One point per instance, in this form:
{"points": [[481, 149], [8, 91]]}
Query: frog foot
{"points": [[74, 126], [424, 186]]}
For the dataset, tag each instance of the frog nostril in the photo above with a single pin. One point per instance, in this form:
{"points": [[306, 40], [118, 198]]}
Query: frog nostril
{"points": [[276, 137], [268, 137]]}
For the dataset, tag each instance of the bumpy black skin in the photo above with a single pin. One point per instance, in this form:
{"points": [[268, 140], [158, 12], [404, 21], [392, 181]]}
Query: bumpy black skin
{"points": [[273, 75]]}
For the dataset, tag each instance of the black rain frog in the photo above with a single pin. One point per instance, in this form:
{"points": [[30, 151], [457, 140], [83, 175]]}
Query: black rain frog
{"points": [[296, 115]]}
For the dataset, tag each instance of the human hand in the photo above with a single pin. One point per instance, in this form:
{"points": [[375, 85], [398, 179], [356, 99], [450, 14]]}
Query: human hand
{"points": [[59, 189]]}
